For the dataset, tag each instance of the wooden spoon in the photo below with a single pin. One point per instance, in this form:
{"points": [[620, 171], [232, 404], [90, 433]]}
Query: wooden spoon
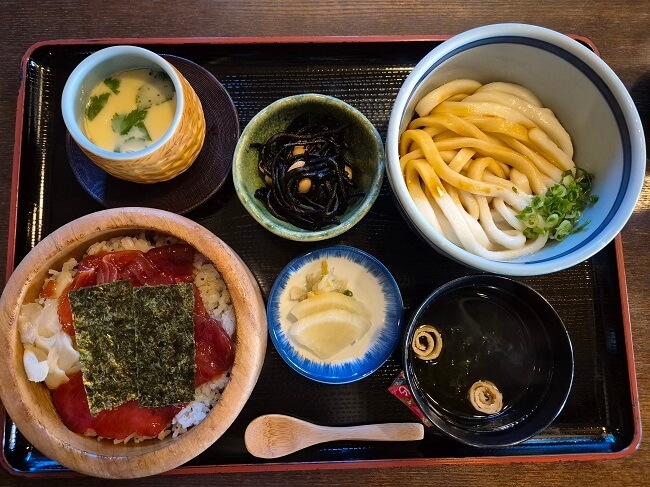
{"points": [[276, 435]]}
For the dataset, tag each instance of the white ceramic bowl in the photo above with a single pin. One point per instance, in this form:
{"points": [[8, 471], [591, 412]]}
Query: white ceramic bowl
{"points": [[587, 97]]}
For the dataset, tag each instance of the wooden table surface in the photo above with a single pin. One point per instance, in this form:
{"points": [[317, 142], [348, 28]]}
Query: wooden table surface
{"points": [[619, 28]]}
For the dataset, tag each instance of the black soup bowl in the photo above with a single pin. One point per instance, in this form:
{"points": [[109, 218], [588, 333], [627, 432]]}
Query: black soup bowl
{"points": [[492, 329]]}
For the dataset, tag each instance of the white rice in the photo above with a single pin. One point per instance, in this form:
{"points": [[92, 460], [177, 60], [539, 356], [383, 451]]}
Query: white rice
{"points": [[206, 396], [218, 304], [214, 293], [122, 243], [216, 300]]}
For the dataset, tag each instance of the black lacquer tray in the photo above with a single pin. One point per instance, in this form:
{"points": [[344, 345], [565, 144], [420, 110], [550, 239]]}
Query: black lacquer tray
{"points": [[600, 419]]}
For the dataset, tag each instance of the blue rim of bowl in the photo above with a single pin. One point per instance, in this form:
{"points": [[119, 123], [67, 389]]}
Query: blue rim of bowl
{"points": [[601, 236], [287, 230], [554, 399], [602, 88], [378, 352]]}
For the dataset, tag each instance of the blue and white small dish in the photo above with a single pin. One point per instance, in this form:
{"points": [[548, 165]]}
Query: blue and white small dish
{"points": [[371, 283]]}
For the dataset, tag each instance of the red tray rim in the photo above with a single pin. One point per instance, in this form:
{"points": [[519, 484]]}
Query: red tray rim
{"points": [[296, 466]]}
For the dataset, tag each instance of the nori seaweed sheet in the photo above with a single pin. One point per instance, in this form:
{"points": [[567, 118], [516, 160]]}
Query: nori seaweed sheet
{"points": [[165, 344], [135, 343], [106, 340]]}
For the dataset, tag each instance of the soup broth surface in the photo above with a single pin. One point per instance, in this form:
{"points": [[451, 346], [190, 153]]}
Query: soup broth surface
{"points": [[484, 338], [130, 110]]}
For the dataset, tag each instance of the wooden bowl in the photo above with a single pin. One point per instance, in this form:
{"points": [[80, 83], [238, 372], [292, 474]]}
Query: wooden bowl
{"points": [[30, 405]]}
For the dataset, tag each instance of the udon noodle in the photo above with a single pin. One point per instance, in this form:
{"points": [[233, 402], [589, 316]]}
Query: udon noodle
{"points": [[475, 156]]}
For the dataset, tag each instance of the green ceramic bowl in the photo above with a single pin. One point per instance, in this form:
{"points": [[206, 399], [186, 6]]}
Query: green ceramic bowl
{"points": [[366, 153]]}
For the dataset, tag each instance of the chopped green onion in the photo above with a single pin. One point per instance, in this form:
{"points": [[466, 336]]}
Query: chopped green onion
{"points": [[557, 213], [552, 220]]}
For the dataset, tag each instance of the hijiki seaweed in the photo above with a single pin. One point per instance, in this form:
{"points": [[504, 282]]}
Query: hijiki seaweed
{"points": [[308, 178]]}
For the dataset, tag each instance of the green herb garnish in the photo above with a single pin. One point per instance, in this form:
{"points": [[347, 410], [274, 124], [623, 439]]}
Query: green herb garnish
{"points": [[142, 127], [347, 292], [557, 213], [96, 104], [113, 84], [116, 122], [132, 119]]}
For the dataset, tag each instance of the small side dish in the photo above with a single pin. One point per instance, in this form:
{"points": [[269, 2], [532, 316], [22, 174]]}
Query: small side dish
{"points": [[307, 175], [335, 314], [329, 318], [308, 167], [135, 340], [133, 114], [488, 360], [203, 178]]}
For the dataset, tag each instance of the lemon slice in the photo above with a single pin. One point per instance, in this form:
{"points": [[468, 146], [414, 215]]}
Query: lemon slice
{"points": [[325, 301], [328, 332]]}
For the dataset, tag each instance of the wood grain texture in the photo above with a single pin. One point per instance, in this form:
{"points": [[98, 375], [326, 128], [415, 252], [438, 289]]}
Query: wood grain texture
{"points": [[277, 435], [30, 404], [619, 28]]}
